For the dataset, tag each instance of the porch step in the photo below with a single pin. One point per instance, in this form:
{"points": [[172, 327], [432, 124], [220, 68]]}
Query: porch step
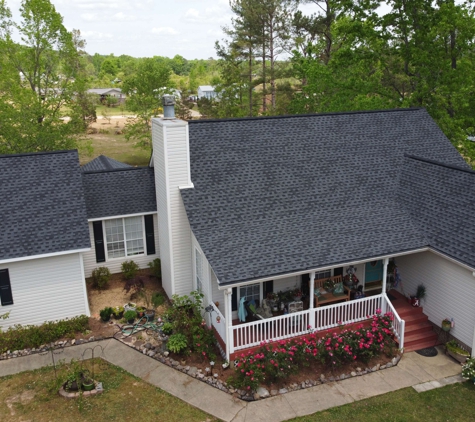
{"points": [[414, 319], [418, 327], [417, 343]]}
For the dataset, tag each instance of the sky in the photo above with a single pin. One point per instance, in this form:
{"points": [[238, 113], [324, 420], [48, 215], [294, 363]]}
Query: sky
{"points": [[146, 28]]}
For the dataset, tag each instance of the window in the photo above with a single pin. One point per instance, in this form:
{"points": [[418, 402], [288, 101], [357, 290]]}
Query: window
{"points": [[5, 288], [323, 274], [199, 270], [252, 291], [124, 237]]}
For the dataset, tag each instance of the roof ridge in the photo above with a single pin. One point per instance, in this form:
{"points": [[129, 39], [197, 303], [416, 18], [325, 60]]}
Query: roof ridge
{"points": [[284, 116], [26, 154], [115, 170], [439, 163]]}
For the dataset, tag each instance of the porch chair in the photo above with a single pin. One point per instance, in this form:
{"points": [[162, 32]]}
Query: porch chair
{"points": [[252, 311]]}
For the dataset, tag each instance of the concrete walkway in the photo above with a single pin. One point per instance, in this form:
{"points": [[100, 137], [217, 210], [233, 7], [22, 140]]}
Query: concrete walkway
{"points": [[423, 373]]}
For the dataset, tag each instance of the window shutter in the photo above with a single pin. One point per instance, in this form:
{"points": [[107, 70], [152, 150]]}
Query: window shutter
{"points": [[268, 288], [5, 288], [99, 241], [234, 299], [149, 235], [338, 271]]}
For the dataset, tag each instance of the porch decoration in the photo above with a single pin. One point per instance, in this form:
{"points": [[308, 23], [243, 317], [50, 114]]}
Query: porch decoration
{"points": [[420, 294], [468, 370], [446, 324], [297, 294], [454, 350]]}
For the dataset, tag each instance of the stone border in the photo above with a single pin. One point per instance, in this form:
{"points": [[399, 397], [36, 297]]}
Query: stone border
{"points": [[51, 346], [74, 395], [154, 352]]}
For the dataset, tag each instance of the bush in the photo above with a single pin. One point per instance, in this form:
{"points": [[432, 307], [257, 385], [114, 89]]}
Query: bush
{"points": [[177, 343], [167, 328], [156, 268], [129, 269], [100, 277], [130, 315], [29, 336], [135, 285], [157, 299], [106, 313], [285, 357]]}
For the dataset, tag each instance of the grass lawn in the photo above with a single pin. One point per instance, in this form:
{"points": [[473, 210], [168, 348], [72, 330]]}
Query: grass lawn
{"points": [[33, 396], [454, 402], [115, 146], [112, 111]]}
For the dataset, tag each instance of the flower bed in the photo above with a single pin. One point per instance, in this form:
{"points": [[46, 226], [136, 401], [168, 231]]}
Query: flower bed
{"points": [[280, 360]]}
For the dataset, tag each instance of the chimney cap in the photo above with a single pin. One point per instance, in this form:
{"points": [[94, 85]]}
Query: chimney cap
{"points": [[168, 100]]}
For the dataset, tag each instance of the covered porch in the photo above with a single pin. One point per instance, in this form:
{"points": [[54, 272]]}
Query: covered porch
{"points": [[236, 336]]}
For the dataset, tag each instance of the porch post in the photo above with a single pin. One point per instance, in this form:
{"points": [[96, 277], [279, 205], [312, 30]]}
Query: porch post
{"points": [[385, 297], [229, 322], [311, 302]]}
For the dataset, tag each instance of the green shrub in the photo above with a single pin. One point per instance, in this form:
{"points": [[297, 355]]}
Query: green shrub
{"points": [[167, 328], [177, 343], [100, 277], [156, 268], [106, 313], [129, 269], [29, 336], [157, 299], [130, 315]]}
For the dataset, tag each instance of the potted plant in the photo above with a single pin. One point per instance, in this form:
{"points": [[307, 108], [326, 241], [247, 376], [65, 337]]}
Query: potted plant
{"points": [[118, 312], [329, 285], [106, 313], [131, 306], [454, 350], [420, 294], [446, 324], [468, 370], [130, 316], [87, 383], [150, 314], [140, 311], [297, 293]]}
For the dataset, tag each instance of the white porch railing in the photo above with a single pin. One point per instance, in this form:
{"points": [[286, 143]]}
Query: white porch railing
{"points": [[282, 327], [218, 322]]}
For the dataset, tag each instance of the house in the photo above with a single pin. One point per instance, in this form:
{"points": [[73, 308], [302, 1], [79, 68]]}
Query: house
{"points": [[207, 91], [103, 93], [258, 205], [240, 208]]}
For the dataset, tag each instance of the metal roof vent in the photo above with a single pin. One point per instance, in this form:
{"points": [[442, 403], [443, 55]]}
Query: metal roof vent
{"points": [[168, 102]]}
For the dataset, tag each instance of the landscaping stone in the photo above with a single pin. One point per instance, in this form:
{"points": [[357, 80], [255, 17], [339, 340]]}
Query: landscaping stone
{"points": [[376, 367], [283, 391]]}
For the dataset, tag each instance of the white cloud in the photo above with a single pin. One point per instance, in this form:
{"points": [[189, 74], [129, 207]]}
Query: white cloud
{"points": [[164, 30], [97, 36], [90, 17], [121, 16], [215, 14]]}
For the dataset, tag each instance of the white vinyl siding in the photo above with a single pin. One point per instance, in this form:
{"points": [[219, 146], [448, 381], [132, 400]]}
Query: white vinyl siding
{"points": [[46, 289], [171, 163], [114, 265], [450, 290]]}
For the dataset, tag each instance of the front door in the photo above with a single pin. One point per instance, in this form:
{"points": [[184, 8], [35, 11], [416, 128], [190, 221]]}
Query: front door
{"points": [[373, 271]]}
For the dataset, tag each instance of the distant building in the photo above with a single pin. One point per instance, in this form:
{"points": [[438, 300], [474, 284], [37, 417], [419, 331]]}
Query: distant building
{"points": [[207, 91], [103, 93]]}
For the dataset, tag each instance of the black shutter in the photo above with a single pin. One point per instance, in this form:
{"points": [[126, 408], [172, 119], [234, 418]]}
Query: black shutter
{"points": [[149, 235], [234, 299], [99, 241], [268, 288], [305, 283], [5, 288], [338, 271]]}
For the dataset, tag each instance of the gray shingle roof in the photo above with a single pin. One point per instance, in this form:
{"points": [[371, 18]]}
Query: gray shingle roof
{"points": [[119, 192], [42, 210], [103, 163], [284, 194], [441, 200]]}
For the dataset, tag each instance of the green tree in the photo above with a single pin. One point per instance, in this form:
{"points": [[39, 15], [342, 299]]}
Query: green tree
{"points": [[144, 90], [39, 79]]}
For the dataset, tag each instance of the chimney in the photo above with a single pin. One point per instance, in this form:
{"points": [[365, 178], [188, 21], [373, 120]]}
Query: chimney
{"points": [[168, 102], [171, 161]]}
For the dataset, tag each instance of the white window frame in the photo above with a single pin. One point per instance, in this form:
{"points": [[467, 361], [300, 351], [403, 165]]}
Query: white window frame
{"points": [[126, 255], [261, 292], [321, 275], [199, 270]]}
